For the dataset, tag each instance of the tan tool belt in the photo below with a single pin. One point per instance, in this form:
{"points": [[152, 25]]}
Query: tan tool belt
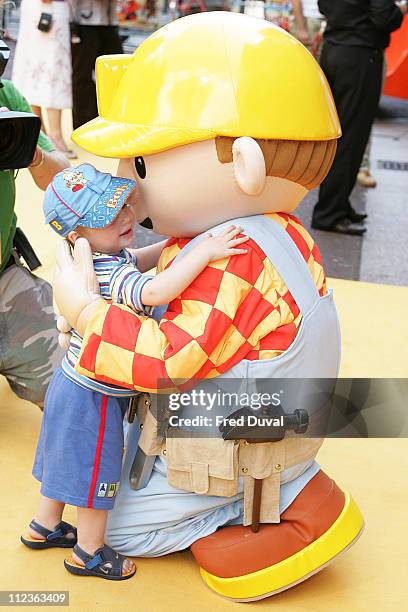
{"points": [[212, 466]]}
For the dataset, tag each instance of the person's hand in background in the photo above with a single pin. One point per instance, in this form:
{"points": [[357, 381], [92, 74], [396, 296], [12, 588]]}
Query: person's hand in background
{"points": [[301, 30], [303, 37]]}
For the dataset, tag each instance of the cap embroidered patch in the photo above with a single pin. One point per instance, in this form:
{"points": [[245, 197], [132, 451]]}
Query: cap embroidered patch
{"points": [[74, 180], [57, 225]]}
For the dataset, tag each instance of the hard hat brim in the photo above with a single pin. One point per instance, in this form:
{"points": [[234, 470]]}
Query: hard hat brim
{"points": [[120, 140]]}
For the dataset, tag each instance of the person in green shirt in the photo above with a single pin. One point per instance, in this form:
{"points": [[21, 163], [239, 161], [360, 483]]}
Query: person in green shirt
{"points": [[29, 349]]}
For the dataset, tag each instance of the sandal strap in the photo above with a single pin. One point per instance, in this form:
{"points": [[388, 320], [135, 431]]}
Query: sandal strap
{"points": [[61, 530], [82, 554], [101, 556], [67, 528], [40, 529]]}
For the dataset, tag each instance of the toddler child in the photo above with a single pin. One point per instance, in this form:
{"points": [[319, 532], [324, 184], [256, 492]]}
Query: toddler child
{"points": [[79, 453]]}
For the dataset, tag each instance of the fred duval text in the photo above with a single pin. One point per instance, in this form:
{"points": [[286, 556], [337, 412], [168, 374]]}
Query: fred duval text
{"points": [[241, 421]]}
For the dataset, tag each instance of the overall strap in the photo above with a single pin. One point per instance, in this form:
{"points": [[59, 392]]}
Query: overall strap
{"points": [[280, 249]]}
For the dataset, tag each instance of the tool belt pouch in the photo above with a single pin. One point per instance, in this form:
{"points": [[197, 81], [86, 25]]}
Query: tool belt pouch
{"points": [[266, 461], [212, 466], [148, 441], [206, 466]]}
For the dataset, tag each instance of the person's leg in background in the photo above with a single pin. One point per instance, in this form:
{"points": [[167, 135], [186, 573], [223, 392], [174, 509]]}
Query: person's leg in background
{"points": [[354, 75], [37, 111], [364, 176], [370, 100], [28, 336], [84, 54], [54, 116], [110, 41], [94, 41]]}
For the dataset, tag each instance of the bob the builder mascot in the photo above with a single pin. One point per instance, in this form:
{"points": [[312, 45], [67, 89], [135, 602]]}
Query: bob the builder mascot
{"points": [[220, 118]]}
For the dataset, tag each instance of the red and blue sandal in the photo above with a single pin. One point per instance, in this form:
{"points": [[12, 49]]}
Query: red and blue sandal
{"points": [[104, 563], [63, 536]]}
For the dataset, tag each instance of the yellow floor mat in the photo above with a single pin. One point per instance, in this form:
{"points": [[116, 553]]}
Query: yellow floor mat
{"points": [[371, 576]]}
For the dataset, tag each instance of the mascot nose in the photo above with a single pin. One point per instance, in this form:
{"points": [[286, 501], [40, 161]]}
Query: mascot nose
{"points": [[147, 223]]}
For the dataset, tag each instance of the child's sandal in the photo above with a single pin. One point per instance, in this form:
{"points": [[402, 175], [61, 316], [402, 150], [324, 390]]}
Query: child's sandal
{"points": [[104, 563], [63, 536]]}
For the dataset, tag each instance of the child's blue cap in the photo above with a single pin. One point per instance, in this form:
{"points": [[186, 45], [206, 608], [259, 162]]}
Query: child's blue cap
{"points": [[83, 196]]}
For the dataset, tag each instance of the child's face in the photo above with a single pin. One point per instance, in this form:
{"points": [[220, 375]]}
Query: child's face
{"points": [[114, 237]]}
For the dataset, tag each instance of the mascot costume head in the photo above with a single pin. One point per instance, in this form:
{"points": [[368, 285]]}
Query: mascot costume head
{"points": [[217, 116]]}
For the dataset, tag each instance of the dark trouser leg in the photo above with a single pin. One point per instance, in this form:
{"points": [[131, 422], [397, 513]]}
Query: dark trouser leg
{"points": [[95, 41], [110, 41], [84, 54], [354, 75]]}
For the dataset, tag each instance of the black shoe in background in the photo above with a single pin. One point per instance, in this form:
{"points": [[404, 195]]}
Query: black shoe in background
{"points": [[343, 227], [356, 217]]}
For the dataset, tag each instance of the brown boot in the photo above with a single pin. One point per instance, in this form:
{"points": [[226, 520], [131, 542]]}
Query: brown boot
{"points": [[365, 179]]}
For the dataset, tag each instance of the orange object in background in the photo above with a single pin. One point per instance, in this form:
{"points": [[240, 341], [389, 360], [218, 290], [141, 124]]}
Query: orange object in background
{"points": [[128, 10], [396, 83]]}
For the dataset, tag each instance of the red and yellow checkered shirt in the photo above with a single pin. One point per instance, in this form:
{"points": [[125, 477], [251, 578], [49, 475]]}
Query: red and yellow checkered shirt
{"points": [[237, 308]]}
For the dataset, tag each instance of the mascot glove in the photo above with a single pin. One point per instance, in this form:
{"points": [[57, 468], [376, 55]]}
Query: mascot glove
{"points": [[76, 290], [64, 336], [64, 328]]}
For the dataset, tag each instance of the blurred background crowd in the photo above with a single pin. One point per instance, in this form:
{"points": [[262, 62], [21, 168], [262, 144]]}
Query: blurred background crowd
{"points": [[57, 43]]}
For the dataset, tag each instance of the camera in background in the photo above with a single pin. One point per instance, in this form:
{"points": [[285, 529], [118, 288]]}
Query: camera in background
{"points": [[18, 131]]}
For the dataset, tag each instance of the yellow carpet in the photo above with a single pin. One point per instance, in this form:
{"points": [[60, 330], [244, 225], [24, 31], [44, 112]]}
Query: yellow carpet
{"points": [[372, 576]]}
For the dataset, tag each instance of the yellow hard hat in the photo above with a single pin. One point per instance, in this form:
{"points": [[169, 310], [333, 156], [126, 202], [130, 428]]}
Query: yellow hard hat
{"points": [[206, 75]]}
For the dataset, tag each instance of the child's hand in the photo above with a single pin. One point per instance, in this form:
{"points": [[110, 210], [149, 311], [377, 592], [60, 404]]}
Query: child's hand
{"points": [[224, 244]]}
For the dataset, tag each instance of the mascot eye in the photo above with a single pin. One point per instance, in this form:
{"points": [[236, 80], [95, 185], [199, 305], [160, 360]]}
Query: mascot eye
{"points": [[140, 167]]}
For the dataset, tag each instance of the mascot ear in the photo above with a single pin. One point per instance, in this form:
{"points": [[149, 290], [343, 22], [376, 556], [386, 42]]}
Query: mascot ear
{"points": [[249, 165]]}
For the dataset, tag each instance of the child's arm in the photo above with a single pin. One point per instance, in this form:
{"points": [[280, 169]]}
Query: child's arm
{"points": [[129, 287], [167, 285], [147, 257]]}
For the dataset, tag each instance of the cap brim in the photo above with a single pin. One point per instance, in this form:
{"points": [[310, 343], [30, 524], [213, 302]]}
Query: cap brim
{"points": [[93, 218], [114, 139]]}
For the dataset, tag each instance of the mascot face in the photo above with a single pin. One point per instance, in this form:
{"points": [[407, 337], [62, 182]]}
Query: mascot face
{"points": [[217, 116], [186, 191]]}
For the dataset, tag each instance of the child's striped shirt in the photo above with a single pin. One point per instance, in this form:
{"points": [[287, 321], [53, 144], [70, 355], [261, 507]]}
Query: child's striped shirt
{"points": [[120, 281]]}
